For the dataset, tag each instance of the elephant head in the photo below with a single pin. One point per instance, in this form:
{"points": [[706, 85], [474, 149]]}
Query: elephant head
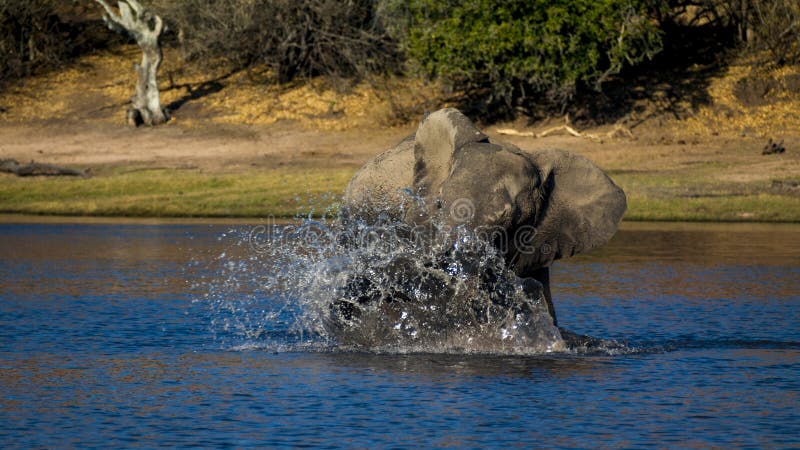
{"points": [[551, 204]]}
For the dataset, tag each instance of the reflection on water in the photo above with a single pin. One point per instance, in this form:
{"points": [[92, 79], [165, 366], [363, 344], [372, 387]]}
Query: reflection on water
{"points": [[684, 282], [101, 345], [703, 244]]}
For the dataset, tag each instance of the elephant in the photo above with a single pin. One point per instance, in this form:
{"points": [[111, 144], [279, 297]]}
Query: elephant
{"points": [[550, 204]]}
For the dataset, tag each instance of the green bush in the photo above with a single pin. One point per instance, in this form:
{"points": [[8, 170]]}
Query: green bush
{"points": [[514, 53]]}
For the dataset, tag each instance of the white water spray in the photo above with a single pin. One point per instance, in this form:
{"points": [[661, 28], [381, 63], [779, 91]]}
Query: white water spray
{"points": [[347, 285]]}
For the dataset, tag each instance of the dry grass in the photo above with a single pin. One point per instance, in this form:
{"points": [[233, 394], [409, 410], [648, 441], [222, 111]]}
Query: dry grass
{"points": [[726, 115], [98, 87]]}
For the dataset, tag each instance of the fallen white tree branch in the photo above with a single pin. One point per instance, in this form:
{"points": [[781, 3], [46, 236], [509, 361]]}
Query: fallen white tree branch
{"points": [[618, 130]]}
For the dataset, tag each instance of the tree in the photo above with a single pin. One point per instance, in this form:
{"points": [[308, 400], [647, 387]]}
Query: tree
{"points": [[507, 54], [146, 28]]}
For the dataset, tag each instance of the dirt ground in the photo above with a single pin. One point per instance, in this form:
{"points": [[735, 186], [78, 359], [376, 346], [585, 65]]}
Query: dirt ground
{"points": [[213, 148], [231, 148]]}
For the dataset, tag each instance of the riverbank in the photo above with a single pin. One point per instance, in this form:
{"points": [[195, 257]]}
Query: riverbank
{"points": [[246, 149], [275, 171]]}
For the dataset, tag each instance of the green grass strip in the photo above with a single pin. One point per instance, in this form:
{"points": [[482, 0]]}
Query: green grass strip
{"points": [[287, 192]]}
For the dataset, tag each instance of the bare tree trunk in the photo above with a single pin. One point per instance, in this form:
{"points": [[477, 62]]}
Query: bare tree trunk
{"points": [[146, 28], [744, 21]]}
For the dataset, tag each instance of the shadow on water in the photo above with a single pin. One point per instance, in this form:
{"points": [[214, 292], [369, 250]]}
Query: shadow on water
{"points": [[433, 365], [439, 366]]}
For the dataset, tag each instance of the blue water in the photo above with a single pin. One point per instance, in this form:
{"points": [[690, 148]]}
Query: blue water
{"points": [[102, 345]]}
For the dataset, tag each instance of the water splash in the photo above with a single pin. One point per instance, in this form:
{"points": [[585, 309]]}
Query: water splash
{"points": [[331, 284]]}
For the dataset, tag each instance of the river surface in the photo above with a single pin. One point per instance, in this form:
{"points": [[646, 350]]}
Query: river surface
{"points": [[106, 341]]}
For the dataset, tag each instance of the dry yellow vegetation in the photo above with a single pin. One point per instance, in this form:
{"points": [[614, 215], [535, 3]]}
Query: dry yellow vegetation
{"points": [[98, 86], [725, 114]]}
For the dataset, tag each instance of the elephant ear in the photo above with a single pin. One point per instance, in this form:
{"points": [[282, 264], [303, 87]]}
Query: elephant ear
{"points": [[581, 207], [438, 137]]}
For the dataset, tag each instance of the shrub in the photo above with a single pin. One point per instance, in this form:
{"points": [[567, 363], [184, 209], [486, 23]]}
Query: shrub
{"points": [[769, 27], [294, 38], [515, 53], [29, 37], [776, 28], [40, 35]]}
